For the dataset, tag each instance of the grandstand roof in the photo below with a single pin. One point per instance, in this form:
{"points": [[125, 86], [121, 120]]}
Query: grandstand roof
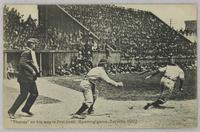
{"points": [[78, 22]]}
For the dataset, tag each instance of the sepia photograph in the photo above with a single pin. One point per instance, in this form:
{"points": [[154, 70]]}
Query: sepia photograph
{"points": [[100, 66]]}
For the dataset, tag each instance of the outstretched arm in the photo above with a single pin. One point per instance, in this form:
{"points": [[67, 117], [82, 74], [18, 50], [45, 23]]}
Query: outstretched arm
{"points": [[182, 78], [153, 74], [181, 85], [105, 77], [163, 69]]}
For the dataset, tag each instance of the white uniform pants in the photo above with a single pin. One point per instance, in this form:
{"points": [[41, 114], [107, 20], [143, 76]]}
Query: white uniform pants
{"points": [[88, 94], [167, 87]]}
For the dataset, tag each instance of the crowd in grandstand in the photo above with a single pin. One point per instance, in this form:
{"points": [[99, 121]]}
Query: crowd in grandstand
{"points": [[136, 33], [81, 69], [17, 31], [60, 40], [131, 31]]}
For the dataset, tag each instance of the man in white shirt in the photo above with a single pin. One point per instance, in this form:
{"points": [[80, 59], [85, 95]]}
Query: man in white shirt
{"points": [[88, 87], [172, 72]]}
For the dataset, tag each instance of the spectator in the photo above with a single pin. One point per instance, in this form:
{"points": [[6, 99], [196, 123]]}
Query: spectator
{"points": [[10, 71]]}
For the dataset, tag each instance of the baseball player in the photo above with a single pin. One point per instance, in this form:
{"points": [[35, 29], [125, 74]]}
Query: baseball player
{"points": [[171, 72], [88, 87]]}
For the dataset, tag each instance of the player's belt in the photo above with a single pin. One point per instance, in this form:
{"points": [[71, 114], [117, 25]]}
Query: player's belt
{"points": [[169, 78], [89, 80], [91, 83]]}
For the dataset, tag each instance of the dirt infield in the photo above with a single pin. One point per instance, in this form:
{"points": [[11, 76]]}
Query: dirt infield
{"points": [[108, 113]]}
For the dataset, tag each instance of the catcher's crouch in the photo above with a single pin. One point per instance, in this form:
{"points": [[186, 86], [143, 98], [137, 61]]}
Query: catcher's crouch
{"points": [[172, 72], [88, 87]]}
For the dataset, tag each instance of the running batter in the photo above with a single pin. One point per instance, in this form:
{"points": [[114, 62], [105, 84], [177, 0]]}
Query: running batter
{"points": [[172, 72]]}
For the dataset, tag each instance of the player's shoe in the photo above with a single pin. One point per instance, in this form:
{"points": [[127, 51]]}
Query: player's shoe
{"points": [[156, 106], [12, 116], [28, 113], [90, 112], [147, 106], [76, 116]]}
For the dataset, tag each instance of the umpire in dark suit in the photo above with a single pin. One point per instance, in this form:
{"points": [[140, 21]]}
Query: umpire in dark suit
{"points": [[28, 71]]}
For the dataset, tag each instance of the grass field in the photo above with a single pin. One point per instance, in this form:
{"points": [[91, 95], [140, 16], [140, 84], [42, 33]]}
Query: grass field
{"points": [[135, 87]]}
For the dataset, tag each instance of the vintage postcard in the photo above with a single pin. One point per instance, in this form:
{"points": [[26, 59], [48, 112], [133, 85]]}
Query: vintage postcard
{"points": [[100, 66]]}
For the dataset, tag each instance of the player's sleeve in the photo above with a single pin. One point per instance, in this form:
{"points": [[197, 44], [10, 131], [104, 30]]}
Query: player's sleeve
{"points": [[181, 74], [162, 69], [104, 76]]}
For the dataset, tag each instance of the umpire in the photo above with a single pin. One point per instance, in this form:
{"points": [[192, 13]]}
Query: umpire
{"points": [[28, 71]]}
